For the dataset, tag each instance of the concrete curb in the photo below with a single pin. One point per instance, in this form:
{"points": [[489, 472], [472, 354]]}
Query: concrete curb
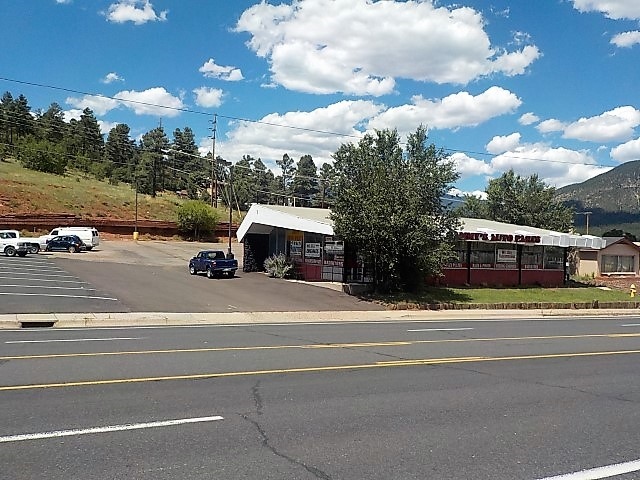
{"points": [[78, 320]]}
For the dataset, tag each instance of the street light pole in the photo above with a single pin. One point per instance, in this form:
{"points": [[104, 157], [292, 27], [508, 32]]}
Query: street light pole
{"points": [[229, 254], [214, 180]]}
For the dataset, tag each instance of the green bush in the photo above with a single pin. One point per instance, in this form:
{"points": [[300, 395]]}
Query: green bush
{"points": [[196, 218], [278, 266]]}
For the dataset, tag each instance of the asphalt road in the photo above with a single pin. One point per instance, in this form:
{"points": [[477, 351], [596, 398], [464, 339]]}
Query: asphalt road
{"points": [[151, 276], [422, 400]]}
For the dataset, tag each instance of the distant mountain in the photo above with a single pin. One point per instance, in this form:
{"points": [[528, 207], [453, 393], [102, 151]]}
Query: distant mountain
{"points": [[612, 197]]}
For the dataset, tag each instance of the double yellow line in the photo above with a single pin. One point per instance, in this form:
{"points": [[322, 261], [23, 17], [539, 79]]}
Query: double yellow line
{"points": [[397, 363]]}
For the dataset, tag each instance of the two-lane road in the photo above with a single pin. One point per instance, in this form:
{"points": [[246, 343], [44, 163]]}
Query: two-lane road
{"points": [[398, 400]]}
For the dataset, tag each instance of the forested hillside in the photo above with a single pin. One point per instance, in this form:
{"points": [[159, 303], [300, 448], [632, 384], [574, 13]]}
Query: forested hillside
{"points": [[43, 141]]}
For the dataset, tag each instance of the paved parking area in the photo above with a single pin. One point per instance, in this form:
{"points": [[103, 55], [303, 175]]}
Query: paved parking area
{"points": [[35, 284], [151, 276]]}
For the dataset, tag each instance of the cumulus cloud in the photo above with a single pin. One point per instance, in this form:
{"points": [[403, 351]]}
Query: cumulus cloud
{"points": [[468, 166], [528, 119], [153, 101], [269, 141], [112, 77], [626, 39], [136, 11], [551, 125], [411, 40], [555, 166], [500, 144], [211, 70], [454, 111], [627, 151], [615, 9], [98, 104], [208, 97], [106, 127], [616, 124]]}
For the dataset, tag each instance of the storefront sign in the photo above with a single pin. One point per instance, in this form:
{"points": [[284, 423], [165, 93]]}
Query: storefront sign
{"points": [[507, 256], [312, 250], [499, 237], [295, 248]]}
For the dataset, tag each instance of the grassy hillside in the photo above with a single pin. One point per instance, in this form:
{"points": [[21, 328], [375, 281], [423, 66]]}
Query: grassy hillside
{"points": [[28, 191]]}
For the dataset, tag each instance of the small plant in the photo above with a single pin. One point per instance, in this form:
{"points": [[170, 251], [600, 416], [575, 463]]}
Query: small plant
{"points": [[278, 266]]}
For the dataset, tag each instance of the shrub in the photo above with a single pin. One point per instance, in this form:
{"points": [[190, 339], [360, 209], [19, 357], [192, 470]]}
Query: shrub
{"points": [[196, 218], [278, 266]]}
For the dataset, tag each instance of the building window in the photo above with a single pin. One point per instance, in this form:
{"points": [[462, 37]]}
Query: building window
{"points": [[458, 258], [553, 258], [618, 264], [531, 257], [483, 255]]}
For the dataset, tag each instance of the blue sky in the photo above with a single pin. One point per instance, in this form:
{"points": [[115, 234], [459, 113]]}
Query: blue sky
{"points": [[548, 86]]}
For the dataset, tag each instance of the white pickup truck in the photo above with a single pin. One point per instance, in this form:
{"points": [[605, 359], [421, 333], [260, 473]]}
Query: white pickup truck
{"points": [[13, 237]]}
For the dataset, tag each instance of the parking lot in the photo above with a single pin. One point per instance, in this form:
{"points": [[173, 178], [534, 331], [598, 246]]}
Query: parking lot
{"points": [[151, 276]]}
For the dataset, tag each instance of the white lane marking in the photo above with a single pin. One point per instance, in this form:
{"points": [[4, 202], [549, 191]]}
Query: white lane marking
{"points": [[438, 329], [631, 325], [600, 472], [56, 295], [77, 340], [49, 288], [21, 274], [44, 280], [106, 429]]}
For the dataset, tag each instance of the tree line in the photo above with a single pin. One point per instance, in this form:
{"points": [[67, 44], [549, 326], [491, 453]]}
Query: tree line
{"points": [[44, 141]]}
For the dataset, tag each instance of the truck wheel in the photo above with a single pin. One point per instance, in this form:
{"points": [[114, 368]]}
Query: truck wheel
{"points": [[34, 249], [192, 270], [210, 273], [10, 251], [231, 274]]}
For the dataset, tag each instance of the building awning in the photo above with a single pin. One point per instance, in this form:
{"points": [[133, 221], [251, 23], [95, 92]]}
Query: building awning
{"points": [[262, 219]]}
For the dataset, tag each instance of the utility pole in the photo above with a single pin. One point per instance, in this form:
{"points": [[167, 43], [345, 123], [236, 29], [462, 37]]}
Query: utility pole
{"points": [[586, 215], [214, 179]]}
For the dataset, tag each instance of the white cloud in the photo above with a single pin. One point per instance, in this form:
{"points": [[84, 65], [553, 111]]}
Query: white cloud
{"points": [[626, 39], [627, 151], [112, 77], [501, 144], [528, 119], [136, 11], [454, 111], [62, 2], [411, 40], [106, 127], [616, 124], [211, 70], [98, 104], [269, 141], [208, 97], [153, 101], [551, 125], [469, 167], [555, 166], [72, 114], [615, 9]]}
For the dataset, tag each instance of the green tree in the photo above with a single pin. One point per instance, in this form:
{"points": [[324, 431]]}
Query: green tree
{"points": [[473, 207], [263, 179], [526, 201], [288, 169], [327, 175], [154, 144], [187, 169], [243, 183], [305, 182], [51, 125], [119, 155], [387, 206], [43, 156], [196, 218]]}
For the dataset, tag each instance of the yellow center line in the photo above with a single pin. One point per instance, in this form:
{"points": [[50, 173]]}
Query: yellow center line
{"points": [[399, 363], [314, 346]]}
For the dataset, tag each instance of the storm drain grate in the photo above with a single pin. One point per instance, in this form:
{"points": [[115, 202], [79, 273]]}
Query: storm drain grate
{"points": [[36, 324]]}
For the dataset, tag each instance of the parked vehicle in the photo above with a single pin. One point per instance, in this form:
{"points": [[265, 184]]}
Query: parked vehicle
{"points": [[69, 243], [34, 243], [214, 263], [13, 246], [88, 235]]}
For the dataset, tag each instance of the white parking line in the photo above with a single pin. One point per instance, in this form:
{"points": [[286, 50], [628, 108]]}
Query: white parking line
{"points": [[56, 295], [631, 325], [44, 280], [23, 274], [106, 429], [50, 288], [77, 340], [600, 472], [438, 329]]}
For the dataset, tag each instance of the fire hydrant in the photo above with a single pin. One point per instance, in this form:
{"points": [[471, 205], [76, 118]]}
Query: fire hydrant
{"points": [[632, 290]]}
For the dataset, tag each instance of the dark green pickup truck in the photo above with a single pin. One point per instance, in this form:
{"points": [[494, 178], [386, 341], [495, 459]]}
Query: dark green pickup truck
{"points": [[214, 262]]}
